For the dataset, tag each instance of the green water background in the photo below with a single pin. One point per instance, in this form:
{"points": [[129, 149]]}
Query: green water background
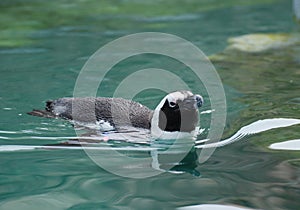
{"points": [[42, 49]]}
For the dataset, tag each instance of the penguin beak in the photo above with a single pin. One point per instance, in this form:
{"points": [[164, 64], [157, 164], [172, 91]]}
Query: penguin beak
{"points": [[192, 102], [199, 100]]}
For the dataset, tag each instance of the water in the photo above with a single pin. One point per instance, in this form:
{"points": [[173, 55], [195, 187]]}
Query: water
{"points": [[44, 64]]}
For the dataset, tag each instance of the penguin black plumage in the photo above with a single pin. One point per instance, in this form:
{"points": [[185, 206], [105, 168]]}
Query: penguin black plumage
{"points": [[176, 113]]}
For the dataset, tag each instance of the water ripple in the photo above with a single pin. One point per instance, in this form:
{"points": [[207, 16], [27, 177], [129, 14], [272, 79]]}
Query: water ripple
{"points": [[254, 128], [23, 51]]}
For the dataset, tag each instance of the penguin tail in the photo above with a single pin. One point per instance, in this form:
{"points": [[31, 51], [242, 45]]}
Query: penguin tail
{"points": [[44, 113], [41, 113]]}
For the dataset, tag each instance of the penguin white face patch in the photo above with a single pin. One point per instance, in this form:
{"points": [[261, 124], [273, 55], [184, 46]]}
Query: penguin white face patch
{"points": [[178, 96]]}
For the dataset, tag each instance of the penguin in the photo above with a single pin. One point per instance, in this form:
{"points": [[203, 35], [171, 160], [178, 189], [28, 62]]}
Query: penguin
{"points": [[177, 113]]}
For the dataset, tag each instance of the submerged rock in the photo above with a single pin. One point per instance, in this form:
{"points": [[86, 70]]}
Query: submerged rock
{"points": [[262, 42], [265, 68], [265, 63]]}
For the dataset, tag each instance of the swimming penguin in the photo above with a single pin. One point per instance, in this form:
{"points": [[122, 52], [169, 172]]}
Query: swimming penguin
{"points": [[177, 113]]}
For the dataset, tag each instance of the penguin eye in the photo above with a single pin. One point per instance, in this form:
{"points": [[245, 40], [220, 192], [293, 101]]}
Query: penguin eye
{"points": [[172, 104]]}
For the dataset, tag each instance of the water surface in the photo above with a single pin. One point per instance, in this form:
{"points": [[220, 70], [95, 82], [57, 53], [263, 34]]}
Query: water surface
{"points": [[45, 63]]}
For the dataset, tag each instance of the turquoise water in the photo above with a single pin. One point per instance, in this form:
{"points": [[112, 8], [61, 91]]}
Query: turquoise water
{"points": [[245, 173]]}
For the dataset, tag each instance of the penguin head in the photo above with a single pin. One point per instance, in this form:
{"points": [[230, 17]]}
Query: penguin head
{"points": [[177, 112]]}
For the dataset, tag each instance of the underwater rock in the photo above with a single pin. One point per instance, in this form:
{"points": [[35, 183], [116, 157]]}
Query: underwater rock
{"points": [[261, 63], [262, 42], [265, 69]]}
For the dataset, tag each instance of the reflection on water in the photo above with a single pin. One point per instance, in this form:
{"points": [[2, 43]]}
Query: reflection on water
{"points": [[213, 207], [296, 7], [141, 159], [68, 179], [286, 145]]}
